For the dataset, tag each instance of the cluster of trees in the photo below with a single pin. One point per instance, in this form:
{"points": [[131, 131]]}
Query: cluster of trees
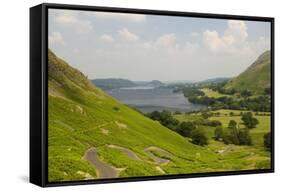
{"points": [[245, 93], [259, 103], [249, 121], [235, 135], [192, 92], [231, 135], [165, 118], [185, 129]]}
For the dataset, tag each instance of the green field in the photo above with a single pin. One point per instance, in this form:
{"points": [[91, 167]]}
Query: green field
{"points": [[211, 93], [83, 117], [256, 154]]}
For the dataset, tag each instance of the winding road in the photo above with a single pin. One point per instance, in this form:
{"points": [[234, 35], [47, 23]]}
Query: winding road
{"points": [[131, 154], [104, 170], [156, 159]]}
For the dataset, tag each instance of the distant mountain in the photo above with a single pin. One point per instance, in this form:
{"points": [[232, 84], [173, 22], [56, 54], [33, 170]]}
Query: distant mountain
{"points": [[179, 82], [255, 78], [113, 83], [213, 81], [155, 83]]}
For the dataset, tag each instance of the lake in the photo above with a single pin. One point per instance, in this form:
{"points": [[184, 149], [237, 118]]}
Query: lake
{"points": [[148, 99]]}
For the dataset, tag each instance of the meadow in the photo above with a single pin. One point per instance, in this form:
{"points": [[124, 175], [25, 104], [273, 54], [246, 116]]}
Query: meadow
{"points": [[253, 156]]}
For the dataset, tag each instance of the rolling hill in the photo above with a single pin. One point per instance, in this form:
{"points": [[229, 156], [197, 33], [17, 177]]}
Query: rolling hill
{"points": [[255, 78], [113, 83], [155, 83], [92, 135]]}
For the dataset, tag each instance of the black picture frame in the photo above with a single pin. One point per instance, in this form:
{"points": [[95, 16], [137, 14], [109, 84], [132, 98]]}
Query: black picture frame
{"points": [[39, 92]]}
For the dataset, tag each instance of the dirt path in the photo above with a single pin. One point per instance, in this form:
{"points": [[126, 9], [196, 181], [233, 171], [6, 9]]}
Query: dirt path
{"points": [[104, 170], [156, 159], [227, 149], [131, 154], [95, 127]]}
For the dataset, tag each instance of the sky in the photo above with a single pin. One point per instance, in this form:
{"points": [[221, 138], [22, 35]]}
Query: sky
{"points": [[150, 47]]}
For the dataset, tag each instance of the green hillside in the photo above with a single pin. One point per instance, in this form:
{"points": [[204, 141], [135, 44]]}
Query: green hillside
{"points": [[91, 135], [255, 78]]}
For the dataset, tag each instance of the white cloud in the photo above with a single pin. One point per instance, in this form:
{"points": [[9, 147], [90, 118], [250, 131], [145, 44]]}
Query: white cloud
{"points": [[55, 38], [137, 18], [169, 45], [236, 30], [194, 34], [213, 41], [127, 35], [166, 40], [106, 38], [71, 19], [163, 42], [234, 36]]}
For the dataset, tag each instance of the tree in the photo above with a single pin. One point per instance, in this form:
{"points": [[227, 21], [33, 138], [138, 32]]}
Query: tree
{"points": [[218, 133], [205, 115], [232, 124], [165, 118], [246, 93], [185, 129], [230, 136], [116, 108], [249, 121], [215, 123], [226, 136], [267, 91], [267, 140], [244, 137], [199, 137], [177, 112]]}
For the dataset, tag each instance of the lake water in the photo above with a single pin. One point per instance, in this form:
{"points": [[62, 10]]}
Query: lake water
{"points": [[148, 99]]}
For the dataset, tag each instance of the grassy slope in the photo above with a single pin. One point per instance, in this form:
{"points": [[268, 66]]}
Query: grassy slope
{"points": [[213, 94], [82, 116], [255, 78]]}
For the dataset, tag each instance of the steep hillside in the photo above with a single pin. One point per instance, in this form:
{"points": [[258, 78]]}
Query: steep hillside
{"points": [[255, 78], [91, 135]]}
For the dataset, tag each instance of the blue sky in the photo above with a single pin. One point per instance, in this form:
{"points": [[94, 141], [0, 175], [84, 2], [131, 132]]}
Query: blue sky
{"points": [[150, 47]]}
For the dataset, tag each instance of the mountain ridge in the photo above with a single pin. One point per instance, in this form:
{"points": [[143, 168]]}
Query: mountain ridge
{"points": [[255, 78]]}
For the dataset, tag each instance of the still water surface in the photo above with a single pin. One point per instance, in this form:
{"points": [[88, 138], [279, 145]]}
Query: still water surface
{"points": [[148, 99]]}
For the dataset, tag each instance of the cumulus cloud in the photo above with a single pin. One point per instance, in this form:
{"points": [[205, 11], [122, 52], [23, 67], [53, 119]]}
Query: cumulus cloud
{"points": [[213, 41], [127, 35], [166, 40], [55, 38], [195, 34], [171, 46], [72, 20], [137, 18], [106, 38], [235, 35]]}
